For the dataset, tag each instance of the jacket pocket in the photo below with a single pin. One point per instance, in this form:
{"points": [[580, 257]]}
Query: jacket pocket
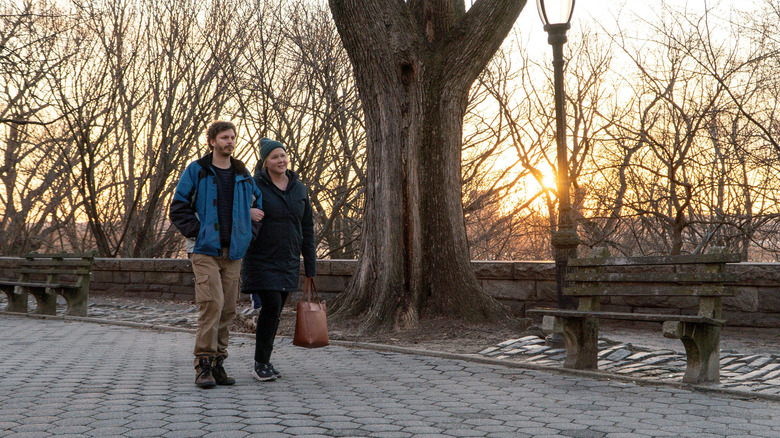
{"points": [[300, 208]]}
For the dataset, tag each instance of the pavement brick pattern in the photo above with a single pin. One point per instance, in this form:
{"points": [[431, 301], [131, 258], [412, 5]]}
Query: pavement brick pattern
{"points": [[71, 378], [747, 373]]}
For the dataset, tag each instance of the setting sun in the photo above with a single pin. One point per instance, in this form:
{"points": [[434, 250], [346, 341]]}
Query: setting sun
{"points": [[549, 181]]}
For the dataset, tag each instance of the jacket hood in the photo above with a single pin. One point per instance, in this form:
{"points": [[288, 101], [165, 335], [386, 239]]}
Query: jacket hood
{"points": [[238, 165]]}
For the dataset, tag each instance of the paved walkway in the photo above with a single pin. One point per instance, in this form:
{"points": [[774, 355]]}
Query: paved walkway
{"points": [[73, 378], [631, 354]]}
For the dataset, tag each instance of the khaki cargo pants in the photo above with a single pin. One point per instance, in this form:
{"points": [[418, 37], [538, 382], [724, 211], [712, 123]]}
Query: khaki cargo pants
{"points": [[217, 282]]}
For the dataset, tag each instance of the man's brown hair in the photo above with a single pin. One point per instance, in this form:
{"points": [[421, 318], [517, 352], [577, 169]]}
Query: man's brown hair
{"points": [[215, 128]]}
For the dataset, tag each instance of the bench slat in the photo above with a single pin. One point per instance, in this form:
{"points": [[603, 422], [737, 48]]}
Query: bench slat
{"points": [[607, 289], [628, 316], [649, 277], [80, 271], [77, 263], [63, 255], [30, 284], [657, 260]]}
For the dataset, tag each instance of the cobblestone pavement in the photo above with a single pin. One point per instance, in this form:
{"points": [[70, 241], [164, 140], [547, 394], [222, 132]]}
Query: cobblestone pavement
{"points": [[69, 378], [741, 373], [757, 374]]}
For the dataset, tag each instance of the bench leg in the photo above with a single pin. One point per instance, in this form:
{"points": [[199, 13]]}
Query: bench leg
{"points": [[46, 302], [702, 349], [580, 336], [77, 301], [17, 298]]}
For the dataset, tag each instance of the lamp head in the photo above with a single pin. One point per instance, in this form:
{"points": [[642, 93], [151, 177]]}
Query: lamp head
{"points": [[555, 12]]}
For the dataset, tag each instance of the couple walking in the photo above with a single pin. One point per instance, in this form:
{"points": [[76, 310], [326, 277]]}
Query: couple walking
{"points": [[243, 232]]}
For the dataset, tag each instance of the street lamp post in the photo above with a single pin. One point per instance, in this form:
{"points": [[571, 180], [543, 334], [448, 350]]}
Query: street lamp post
{"points": [[556, 16]]}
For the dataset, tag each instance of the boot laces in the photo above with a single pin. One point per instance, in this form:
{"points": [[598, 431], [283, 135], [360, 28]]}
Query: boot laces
{"points": [[205, 368]]}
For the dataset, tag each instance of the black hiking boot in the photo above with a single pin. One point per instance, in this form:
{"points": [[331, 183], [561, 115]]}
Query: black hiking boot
{"points": [[203, 374], [219, 373]]}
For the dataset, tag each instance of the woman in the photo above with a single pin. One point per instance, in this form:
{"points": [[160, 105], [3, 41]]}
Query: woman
{"points": [[272, 266]]}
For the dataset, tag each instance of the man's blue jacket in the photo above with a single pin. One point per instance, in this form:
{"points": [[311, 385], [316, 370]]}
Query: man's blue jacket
{"points": [[194, 208]]}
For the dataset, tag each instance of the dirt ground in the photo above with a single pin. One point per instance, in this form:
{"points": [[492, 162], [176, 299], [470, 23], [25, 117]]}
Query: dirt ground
{"points": [[441, 334], [435, 334]]}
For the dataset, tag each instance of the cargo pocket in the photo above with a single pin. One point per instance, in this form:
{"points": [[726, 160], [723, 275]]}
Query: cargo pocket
{"points": [[202, 289]]}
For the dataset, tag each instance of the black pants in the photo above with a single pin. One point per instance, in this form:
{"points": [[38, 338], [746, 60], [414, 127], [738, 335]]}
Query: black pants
{"points": [[271, 306]]}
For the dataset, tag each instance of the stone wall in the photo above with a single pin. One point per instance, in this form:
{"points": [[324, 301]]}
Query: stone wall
{"points": [[519, 285]]}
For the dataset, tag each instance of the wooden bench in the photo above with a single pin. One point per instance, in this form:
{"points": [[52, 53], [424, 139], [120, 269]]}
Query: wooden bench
{"points": [[45, 276], [593, 279]]}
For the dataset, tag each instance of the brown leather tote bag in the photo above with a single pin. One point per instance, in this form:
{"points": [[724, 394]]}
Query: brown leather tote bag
{"points": [[311, 326]]}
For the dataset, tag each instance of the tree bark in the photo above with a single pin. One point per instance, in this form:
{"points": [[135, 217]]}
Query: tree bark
{"points": [[414, 63]]}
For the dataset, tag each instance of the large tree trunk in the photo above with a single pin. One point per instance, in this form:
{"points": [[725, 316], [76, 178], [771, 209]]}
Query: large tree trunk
{"points": [[414, 63]]}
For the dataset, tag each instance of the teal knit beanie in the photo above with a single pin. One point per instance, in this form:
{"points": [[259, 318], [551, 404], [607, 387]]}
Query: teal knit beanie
{"points": [[267, 145]]}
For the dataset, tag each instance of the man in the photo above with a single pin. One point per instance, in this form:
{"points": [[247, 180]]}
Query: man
{"points": [[216, 206]]}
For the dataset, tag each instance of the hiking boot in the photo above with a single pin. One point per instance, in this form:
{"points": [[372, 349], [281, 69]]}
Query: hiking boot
{"points": [[203, 377], [263, 372], [274, 370], [219, 373]]}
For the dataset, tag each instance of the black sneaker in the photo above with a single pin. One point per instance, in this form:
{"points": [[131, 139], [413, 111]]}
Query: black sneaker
{"points": [[275, 371], [263, 372]]}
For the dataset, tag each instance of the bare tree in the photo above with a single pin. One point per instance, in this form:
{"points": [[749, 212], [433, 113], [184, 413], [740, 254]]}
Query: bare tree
{"points": [[189, 88], [147, 79], [683, 173], [326, 128], [521, 91], [414, 64], [296, 85], [31, 172]]}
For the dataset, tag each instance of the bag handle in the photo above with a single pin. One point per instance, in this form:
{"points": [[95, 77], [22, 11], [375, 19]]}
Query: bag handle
{"points": [[310, 289]]}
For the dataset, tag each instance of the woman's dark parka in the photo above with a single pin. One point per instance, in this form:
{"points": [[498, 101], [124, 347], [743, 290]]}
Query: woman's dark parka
{"points": [[273, 261]]}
